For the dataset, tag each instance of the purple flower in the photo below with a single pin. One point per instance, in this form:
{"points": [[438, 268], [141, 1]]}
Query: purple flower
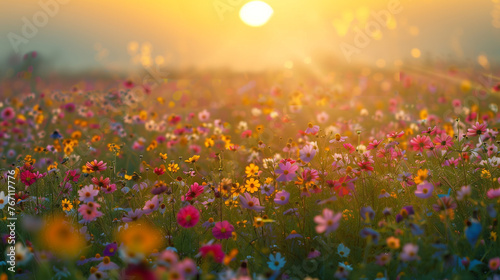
{"points": [[282, 197], [424, 190], [286, 171], [369, 232], [110, 250], [367, 213]]}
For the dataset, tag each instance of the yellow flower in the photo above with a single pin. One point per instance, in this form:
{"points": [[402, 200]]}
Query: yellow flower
{"points": [[421, 176], [173, 167], [61, 238], [393, 242], [66, 205], [269, 180], [258, 222], [493, 235], [209, 142], [163, 156], [141, 238], [252, 185], [485, 174], [251, 170], [193, 159]]}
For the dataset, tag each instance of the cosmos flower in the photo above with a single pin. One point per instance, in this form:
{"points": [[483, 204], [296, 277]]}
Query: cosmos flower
{"points": [[222, 230], [328, 221], [249, 202], [343, 251], [424, 190], [282, 197], [89, 211], [213, 251], [28, 178], [188, 216], [95, 166], [420, 143], [88, 193], [286, 172], [477, 129], [276, 262], [409, 253]]}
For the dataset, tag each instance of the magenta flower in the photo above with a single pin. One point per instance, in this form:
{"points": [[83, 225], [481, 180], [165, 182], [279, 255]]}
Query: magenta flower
{"points": [[194, 191], [222, 230], [8, 114], [328, 221], [493, 193], [286, 171], [188, 216], [214, 251], [28, 178], [373, 145], [424, 190]]}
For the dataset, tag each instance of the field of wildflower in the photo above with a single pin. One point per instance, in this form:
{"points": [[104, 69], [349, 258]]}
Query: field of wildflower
{"points": [[352, 174]]}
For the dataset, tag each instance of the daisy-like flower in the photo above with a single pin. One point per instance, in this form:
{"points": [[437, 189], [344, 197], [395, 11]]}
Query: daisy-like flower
{"points": [[424, 190], [282, 197], [286, 172], [252, 185], [421, 143], [188, 216], [8, 114], [222, 230], [88, 193], [493, 193], [194, 191], [250, 202], [443, 141], [89, 211], [307, 153], [477, 129], [107, 264], [28, 178], [312, 129], [95, 166], [3, 200], [422, 175], [214, 251], [328, 221], [338, 138], [373, 145], [409, 253], [132, 215], [152, 205], [65, 204], [276, 262], [494, 264], [102, 183], [251, 170], [343, 251]]}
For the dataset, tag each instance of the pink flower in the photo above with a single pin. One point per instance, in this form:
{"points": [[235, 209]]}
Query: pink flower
{"points": [[88, 193], [307, 153], [373, 145], [8, 114], [72, 175], [493, 193], [312, 129], [28, 178], [188, 216], [286, 171], [222, 230], [89, 211], [420, 143], [132, 215], [203, 115], [494, 263], [250, 202], [96, 166], [396, 134], [109, 188], [282, 197], [424, 190], [410, 253], [443, 141], [349, 147], [195, 191], [102, 183], [365, 165], [214, 251], [477, 129], [151, 205], [327, 222]]}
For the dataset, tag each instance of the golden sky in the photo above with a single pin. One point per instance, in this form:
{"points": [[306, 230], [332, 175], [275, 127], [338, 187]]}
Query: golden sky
{"points": [[92, 33]]}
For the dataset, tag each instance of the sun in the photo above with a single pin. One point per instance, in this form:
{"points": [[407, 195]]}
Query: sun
{"points": [[256, 13]]}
